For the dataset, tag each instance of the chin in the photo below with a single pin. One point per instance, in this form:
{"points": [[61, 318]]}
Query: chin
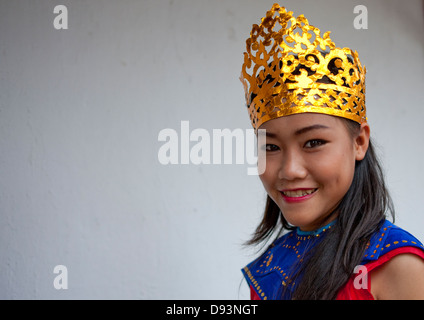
{"points": [[304, 222]]}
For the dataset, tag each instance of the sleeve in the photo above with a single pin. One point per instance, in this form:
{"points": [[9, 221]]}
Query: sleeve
{"points": [[358, 286]]}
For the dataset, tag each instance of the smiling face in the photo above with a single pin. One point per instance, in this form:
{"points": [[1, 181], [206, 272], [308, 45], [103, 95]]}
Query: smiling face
{"points": [[310, 162]]}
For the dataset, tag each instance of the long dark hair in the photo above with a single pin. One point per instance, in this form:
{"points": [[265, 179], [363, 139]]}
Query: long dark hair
{"points": [[359, 215]]}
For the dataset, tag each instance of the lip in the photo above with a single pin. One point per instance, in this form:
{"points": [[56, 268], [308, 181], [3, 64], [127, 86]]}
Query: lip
{"points": [[297, 199]]}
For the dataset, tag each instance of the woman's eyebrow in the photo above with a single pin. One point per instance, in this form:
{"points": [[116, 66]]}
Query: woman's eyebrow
{"points": [[309, 128], [270, 134]]}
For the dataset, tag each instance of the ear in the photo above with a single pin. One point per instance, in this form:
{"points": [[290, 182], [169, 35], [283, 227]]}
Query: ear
{"points": [[362, 141]]}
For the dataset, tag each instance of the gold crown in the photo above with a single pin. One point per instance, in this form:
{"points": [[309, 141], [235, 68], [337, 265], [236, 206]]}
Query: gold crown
{"points": [[289, 68]]}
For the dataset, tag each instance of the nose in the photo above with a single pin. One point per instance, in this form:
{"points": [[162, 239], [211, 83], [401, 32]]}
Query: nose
{"points": [[292, 167]]}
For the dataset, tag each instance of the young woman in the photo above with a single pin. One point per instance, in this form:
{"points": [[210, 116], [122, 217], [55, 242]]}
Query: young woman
{"points": [[327, 202]]}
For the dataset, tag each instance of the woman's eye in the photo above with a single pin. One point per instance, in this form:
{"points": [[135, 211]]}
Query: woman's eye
{"points": [[271, 147], [314, 143]]}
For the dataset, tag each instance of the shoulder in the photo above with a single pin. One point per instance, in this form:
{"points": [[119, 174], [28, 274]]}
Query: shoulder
{"points": [[266, 274], [396, 264], [401, 277], [275, 249], [388, 238]]}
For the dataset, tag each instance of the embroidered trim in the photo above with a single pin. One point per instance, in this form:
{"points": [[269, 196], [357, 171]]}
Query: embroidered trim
{"points": [[387, 245], [305, 235], [258, 289]]}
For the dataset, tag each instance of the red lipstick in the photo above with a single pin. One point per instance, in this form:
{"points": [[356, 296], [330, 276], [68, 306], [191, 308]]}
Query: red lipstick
{"points": [[298, 195]]}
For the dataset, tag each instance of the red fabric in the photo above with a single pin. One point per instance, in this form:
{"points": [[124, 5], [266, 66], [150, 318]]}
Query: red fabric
{"points": [[349, 292], [253, 294]]}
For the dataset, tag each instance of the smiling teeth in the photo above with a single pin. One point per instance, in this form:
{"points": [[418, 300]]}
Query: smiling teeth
{"points": [[298, 193]]}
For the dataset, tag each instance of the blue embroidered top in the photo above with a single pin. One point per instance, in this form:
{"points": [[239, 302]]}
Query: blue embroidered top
{"points": [[270, 274]]}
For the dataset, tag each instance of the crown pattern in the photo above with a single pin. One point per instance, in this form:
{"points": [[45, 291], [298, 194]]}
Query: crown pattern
{"points": [[289, 68]]}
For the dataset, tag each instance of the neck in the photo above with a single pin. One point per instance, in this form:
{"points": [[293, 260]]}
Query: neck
{"points": [[315, 232]]}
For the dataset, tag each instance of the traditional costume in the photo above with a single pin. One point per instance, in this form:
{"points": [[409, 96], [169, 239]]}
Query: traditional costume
{"points": [[269, 275]]}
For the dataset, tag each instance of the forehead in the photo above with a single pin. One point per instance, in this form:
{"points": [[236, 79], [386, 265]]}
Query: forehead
{"points": [[296, 122], [298, 125]]}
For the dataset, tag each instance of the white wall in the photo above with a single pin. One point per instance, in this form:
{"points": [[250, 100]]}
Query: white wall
{"points": [[80, 113]]}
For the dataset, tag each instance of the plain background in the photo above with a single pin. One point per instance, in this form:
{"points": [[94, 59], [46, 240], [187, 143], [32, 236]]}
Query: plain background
{"points": [[80, 114]]}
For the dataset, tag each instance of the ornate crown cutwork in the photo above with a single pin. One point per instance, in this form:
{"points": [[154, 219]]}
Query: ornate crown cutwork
{"points": [[289, 68]]}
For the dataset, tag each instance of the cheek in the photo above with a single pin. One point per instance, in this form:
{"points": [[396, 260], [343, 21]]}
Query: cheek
{"points": [[338, 172]]}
